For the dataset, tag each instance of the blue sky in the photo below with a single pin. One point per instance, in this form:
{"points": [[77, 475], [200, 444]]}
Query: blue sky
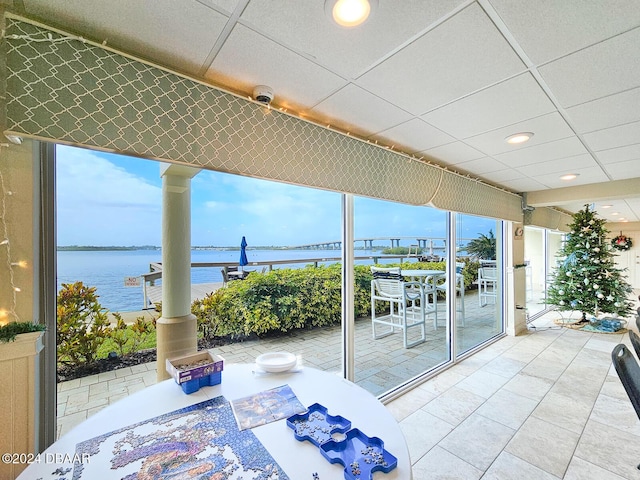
{"points": [[109, 199]]}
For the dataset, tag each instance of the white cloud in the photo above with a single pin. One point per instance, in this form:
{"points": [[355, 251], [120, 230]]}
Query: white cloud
{"points": [[100, 203]]}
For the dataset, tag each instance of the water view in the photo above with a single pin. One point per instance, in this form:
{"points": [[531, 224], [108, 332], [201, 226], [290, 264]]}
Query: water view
{"points": [[106, 269]]}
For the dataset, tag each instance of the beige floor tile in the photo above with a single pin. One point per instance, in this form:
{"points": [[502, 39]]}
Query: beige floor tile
{"points": [[582, 470], [422, 431], [439, 464], [562, 411], [454, 405], [478, 440], [510, 467], [610, 449], [618, 413], [409, 403], [504, 366], [529, 386], [482, 383], [508, 408], [544, 445]]}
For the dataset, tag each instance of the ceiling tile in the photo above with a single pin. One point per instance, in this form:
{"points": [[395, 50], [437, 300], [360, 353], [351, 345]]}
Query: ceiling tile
{"points": [[545, 128], [624, 170], [603, 69], [453, 153], [444, 64], [506, 175], [150, 30], [622, 135], [246, 60], [622, 154], [303, 26], [415, 135], [524, 185], [351, 106], [547, 29], [481, 166], [587, 175], [567, 147], [606, 112], [511, 101], [567, 165]]}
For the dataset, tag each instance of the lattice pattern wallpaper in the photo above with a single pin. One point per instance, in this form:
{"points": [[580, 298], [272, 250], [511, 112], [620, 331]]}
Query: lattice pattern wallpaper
{"points": [[81, 94], [548, 218]]}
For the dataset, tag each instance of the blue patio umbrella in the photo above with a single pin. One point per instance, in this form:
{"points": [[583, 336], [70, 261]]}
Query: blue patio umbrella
{"points": [[243, 254]]}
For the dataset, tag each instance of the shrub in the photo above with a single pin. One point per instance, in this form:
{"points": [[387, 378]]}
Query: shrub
{"points": [[281, 300], [126, 339], [9, 331], [82, 324]]}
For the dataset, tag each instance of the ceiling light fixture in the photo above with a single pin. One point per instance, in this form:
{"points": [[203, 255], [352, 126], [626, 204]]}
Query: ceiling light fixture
{"points": [[518, 138], [615, 213], [569, 176], [606, 206], [349, 13]]}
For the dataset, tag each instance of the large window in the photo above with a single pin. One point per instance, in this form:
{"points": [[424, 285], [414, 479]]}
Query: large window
{"points": [[411, 239], [540, 249], [479, 281]]}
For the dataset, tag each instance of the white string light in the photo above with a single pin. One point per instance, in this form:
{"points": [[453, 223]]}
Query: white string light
{"points": [[8, 313]]}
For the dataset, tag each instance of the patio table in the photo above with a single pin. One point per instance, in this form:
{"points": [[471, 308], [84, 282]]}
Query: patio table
{"points": [[298, 459]]}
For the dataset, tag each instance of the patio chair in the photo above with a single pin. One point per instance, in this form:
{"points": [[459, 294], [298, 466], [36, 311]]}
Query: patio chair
{"points": [[407, 305], [487, 285], [629, 373], [443, 287]]}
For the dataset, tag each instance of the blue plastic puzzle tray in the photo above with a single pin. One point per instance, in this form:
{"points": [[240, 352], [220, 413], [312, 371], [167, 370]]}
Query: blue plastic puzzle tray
{"points": [[360, 455], [316, 425]]}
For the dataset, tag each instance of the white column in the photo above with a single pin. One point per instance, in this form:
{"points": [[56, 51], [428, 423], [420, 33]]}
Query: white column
{"points": [[177, 328]]}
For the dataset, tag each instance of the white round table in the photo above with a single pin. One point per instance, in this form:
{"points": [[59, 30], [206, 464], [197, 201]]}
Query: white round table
{"points": [[299, 460]]}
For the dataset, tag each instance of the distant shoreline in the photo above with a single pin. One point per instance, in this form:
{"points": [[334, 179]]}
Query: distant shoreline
{"points": [[115, 248]]}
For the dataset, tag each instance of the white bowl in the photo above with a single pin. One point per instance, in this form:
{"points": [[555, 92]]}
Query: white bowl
{"points": [[276, 361]]}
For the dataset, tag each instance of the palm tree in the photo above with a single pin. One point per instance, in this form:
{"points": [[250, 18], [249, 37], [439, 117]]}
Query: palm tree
{"points": [[483, 247]]}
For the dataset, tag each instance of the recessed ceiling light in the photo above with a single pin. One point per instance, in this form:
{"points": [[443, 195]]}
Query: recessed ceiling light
{"points": [[517, 138], [615, 213], [569, 176], [621, 219], [606, 206], [349, 13]]}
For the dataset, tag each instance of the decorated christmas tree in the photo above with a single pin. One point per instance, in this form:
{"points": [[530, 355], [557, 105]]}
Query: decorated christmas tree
{"points": [[586, 278]]}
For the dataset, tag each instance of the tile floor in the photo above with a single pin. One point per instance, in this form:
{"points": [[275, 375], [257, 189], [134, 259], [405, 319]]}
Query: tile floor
{"points": [[544, 405]]}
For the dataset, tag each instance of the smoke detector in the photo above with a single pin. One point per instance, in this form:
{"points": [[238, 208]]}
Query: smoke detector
{"points": [[263, 94]]}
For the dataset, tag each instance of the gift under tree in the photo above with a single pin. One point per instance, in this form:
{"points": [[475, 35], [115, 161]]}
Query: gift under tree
{"points": [[586, 278]]}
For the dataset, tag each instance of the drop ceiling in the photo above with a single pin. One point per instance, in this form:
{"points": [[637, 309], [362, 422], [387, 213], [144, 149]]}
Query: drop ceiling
{"points": [[444, 80]]}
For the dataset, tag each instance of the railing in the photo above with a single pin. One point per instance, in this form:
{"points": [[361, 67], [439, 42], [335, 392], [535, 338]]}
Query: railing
{"points": [[155, 272]]}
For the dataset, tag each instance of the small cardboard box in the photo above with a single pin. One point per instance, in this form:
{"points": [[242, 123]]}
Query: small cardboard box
{"points": [[206, 365]]}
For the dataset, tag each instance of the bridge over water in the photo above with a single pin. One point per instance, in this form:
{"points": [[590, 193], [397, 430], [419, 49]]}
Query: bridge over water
{"points": [[420, 242]]}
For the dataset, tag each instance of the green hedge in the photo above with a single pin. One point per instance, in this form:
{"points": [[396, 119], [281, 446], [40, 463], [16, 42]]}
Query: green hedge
{"points": [[281, 300], [289, 299]]}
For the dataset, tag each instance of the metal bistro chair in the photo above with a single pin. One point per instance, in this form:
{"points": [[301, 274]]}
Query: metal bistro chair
{"points": [[629, 373], [406, 305], [459, 289], [487, 285]]}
